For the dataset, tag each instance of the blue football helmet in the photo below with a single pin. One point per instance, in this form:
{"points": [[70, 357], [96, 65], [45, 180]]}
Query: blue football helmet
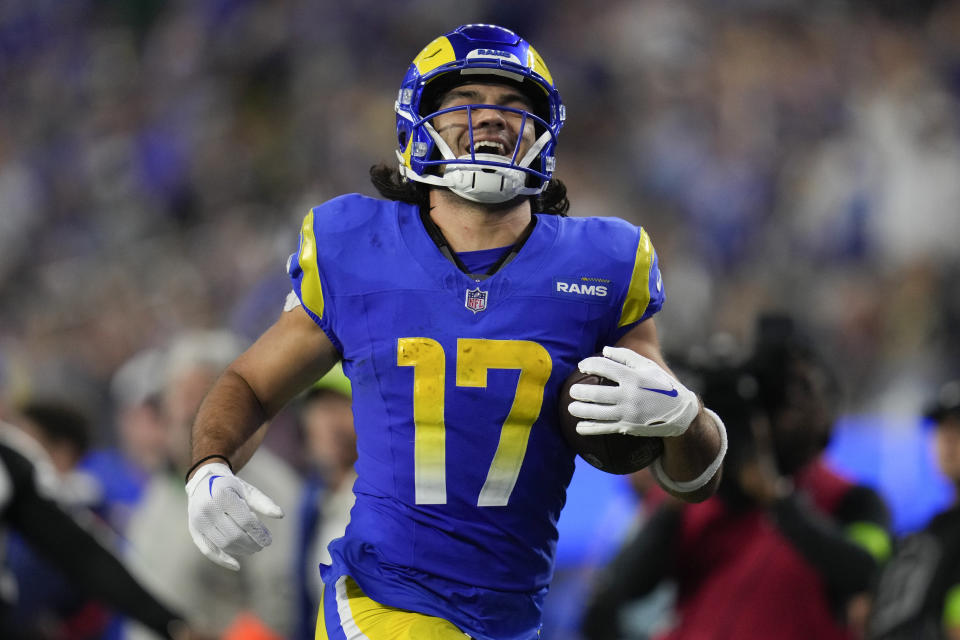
{"points": [[477, 53]]}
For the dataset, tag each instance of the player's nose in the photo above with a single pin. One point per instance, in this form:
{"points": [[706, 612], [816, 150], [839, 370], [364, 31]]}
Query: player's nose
{"points": [[488, 117]]}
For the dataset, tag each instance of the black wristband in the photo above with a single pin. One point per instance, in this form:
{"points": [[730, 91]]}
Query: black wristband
{"points": [[199, 462]]}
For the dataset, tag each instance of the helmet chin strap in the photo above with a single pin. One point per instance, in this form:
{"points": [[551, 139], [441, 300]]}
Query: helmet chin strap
{"points": [[489, 185], [486, 184]]}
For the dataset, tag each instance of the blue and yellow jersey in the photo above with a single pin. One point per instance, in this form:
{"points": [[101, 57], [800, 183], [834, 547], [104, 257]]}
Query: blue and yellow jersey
{"points": [[462, 468]]}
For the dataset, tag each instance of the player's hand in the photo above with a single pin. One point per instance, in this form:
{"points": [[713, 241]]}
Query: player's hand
{"points": [[647, 400], [220, 515]]}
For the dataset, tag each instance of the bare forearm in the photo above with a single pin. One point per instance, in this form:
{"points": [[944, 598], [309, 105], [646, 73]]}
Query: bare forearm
{"points": [[229, 417], [286, 359], [685, 457], [242, 455]]}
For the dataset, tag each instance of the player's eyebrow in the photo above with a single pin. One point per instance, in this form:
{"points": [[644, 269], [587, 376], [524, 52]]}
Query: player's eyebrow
{"points": [[474, 95]]}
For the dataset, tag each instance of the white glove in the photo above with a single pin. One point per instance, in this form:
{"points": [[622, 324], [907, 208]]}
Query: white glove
{"points": [[647, 400], [220, 515]]}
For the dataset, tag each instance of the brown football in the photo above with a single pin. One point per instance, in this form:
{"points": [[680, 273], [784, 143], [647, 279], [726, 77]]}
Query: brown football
{"points": [[613, 452]]}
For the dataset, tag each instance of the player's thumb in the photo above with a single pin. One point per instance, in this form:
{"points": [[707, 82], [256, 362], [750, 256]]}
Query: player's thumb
{"points": [[260, 502]]}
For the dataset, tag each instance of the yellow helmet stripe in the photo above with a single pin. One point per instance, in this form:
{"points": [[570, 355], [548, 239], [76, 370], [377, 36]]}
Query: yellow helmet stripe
{"points": [[408, 151], [536, 63], [638, 295], [438, 52], [311, 291]]}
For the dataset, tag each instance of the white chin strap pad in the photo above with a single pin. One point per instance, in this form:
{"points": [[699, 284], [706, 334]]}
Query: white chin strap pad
{"points": [[489, 185]]}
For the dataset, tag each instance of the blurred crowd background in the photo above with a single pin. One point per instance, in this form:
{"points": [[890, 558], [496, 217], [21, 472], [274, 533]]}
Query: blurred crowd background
{"points": [[156, 158]]}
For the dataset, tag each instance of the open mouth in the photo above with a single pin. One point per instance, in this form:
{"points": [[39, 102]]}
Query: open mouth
{"points": [[490, 146]]}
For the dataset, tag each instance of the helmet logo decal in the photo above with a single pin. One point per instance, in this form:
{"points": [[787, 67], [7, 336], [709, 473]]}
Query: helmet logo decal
{"points": [[476, 300], [492, 53], [437, 53]]}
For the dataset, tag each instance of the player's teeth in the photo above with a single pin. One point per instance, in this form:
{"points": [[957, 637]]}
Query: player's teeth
{"points": [[496, 145]]}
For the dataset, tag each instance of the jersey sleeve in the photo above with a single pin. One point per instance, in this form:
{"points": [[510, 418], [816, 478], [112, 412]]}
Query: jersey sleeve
{"points": [[306, 271], [644, 295]]}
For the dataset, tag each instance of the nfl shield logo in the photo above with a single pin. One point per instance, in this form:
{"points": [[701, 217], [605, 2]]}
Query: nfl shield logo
{"points": [[476, 300]]}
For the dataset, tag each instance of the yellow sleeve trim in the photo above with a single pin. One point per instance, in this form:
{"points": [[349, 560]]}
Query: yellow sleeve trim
{"points": [[435, 54], [638, 295], [871, 537], [311, 291], [951, 608]]}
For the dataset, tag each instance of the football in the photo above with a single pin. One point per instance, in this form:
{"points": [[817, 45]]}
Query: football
{"points": [[613, 452]]}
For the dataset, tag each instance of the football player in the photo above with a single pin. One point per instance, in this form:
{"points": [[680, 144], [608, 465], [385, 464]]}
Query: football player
{"points": [[458, 305]]}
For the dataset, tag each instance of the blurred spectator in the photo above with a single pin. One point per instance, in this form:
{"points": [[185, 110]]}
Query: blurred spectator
{"points": [[918, 596], [330, 448], [161, 551], [787, 549], [64, 433], [47, 603], [29, 508], [122, 470]]}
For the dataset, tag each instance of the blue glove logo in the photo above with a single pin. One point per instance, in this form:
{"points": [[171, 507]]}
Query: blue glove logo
{"points": [[667, 392], [212, 478]]}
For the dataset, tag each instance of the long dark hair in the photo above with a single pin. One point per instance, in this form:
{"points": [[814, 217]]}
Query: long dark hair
{"points": [[392, 186]]}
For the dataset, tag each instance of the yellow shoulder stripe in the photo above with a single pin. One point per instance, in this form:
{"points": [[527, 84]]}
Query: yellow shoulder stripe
{"points": [[311, 291], [438, 52], [638, 295]]}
